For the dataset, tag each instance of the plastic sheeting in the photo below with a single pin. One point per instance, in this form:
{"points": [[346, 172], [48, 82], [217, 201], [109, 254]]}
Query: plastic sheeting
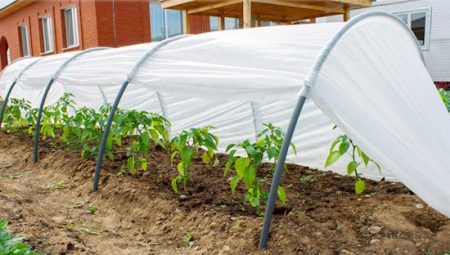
{"points": [[373, 84]]}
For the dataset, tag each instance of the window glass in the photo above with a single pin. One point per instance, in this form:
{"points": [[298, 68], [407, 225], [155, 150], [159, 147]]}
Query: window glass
{"points": [[174, 23], [24, 40], [213, 23], [231, 23], [418, 23], [157, 23], [71, 27], [47, 34], [404, 18]]}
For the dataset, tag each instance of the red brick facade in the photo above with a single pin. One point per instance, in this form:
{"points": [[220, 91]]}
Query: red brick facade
{"points": [[111, 23]]}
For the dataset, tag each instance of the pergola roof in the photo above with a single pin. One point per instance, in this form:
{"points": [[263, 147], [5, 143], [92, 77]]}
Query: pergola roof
{"points": [[273, 10]]}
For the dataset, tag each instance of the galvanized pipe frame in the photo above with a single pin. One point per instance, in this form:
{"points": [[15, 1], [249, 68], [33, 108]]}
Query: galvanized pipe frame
{"points": [[11, 87], [44, 97], [119, 95]]}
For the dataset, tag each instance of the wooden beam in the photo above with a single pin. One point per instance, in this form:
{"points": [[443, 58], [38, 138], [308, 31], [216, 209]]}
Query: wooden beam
{"points": [[247, 13], [221, 23], [355, 2], [346, 13], [213, 6], [173, 3], [186, 23], [300, 5]]}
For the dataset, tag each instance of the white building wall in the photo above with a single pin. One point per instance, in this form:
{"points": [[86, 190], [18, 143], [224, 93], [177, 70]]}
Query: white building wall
{"points": [[437, 56]]}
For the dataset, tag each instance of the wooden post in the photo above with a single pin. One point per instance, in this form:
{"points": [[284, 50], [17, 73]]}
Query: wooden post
{"points": [[347, 12], [221, 23], [247, 6], [186, 23]]}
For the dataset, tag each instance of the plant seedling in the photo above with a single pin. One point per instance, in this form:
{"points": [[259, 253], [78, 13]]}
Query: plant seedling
{"points": [[246, 168], [185, 146], [344, 145]]}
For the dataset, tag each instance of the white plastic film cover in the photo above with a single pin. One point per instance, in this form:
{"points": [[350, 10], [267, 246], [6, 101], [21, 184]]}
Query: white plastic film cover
{"points": [[377, 89], [373, 85]]}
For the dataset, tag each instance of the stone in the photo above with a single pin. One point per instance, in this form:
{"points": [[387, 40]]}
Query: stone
{"points": [[375, 241], [374, 230], [226, 248]]}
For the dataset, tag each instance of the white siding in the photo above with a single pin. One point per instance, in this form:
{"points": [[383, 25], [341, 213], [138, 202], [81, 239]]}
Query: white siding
{"points": [[437, 57]]}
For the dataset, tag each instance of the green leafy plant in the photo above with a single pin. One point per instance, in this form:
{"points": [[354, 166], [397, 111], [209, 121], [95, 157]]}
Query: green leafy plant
{"points": [[344, 145], [445, 96], [185, 146], [17, 116], [147, 128], [10, 244], [246, 168]]}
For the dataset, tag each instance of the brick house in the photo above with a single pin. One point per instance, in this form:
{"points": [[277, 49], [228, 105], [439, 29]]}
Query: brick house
{"points": [[43, 27]]}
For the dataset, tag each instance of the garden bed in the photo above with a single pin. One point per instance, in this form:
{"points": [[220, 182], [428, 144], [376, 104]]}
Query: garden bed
{"points": [[51, 203]]}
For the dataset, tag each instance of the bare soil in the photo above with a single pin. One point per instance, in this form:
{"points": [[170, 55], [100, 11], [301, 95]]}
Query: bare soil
{"points": [[49, 203]]}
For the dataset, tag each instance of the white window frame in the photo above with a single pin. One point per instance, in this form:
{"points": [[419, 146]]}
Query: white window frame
{"points": [[427, 11], [75, 34], [27, 39], [50, 39]]}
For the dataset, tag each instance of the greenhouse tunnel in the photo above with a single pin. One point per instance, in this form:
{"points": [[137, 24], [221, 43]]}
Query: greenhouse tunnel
{"points": [[367, 76]]}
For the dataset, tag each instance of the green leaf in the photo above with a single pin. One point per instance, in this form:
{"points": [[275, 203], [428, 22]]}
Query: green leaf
{"points": [[351, 167], [271, 152], [144, 164], [360, 186], [180, 168], [233, 183], [175, 184], [332, 158], [240, 166], [254, 201], [186, 155], [365, 158], [131, 165], [282, 194], [172, 157], [205, 158], [249, 176], [229, 147], [343, 147], [250, 150]]}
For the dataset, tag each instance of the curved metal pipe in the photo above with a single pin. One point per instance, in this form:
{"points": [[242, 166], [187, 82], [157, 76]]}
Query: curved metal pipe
{"points": [[124, 86], [44, 97], [279, 173], [13, 84]]}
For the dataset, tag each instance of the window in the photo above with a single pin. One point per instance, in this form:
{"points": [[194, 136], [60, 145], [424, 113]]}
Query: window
{"points": [[164, 23], [419, 23], [47, 34], [24, 40], [230, 23], [70, 27]]}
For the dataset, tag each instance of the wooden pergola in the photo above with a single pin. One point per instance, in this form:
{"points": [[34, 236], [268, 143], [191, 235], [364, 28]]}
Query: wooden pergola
{"points": [[260, 10]]}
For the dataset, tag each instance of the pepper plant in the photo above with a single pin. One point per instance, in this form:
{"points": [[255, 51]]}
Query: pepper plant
{"points": [[16, 116], [246, 168], [185, 146], [344, 145], [147, 129]]}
